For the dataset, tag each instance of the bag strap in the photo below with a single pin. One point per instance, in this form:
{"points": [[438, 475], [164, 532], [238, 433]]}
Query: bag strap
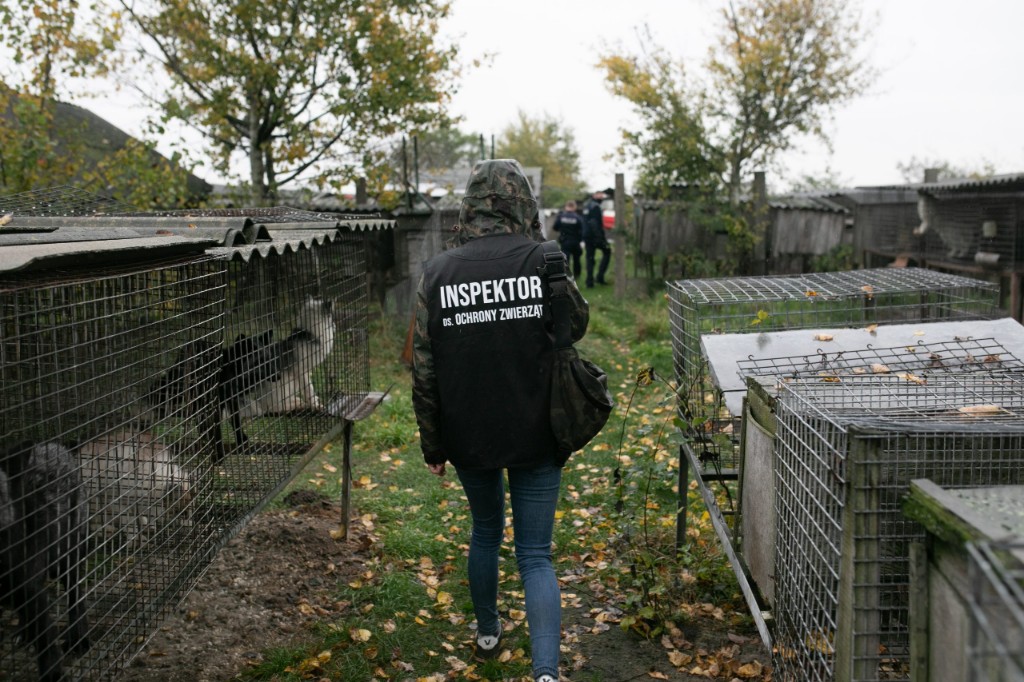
{"points": [[555, 274]]}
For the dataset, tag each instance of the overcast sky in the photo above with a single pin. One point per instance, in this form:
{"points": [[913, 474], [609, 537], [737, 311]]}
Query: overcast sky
{"points": [[950, 85]]}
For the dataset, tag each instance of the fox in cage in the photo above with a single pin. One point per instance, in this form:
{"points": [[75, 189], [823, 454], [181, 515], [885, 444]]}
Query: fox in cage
{"points": [[261, 376], [258, 375]]}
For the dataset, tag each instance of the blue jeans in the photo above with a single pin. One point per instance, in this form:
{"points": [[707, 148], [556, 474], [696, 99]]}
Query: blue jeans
{"points": [[534, 494]]}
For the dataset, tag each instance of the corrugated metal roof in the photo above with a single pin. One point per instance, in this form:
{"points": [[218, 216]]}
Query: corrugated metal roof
{"points": [[1002, 181], [37, 242], [806, 202]]}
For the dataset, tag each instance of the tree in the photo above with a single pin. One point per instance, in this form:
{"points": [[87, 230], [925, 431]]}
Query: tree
{"points": [[45, 142], [305, 90], [778, 70], [545, 142], [671, 146]]}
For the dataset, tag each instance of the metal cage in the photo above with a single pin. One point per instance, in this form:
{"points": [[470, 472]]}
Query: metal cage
{"points": [[159, 387], [845, 453], [108, 415], [820, 300]]}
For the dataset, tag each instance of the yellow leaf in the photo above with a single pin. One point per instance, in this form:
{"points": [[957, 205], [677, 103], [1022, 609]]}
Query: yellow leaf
{"points": [[810, 292], [879, 368], [330, 467], [656, 675], [360, 634], [444, 598], [823, 337], [752, 669]]}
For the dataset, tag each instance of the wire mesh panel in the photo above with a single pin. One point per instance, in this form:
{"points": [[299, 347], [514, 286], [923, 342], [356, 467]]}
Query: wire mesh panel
{"points": [[149, 409], [296, 358], [845, 453], [820, 300], [995, 602], [108, 411]]}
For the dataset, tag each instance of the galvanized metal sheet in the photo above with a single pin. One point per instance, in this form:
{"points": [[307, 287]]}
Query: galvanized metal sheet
{"points": [[724, 351]]}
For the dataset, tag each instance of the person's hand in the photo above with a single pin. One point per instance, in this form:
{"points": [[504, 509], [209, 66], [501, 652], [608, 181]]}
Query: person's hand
{"points": [[436, 469]]}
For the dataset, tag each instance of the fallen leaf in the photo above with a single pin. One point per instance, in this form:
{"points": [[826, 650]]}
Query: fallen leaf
{"points": [[912, 378], [823, 337], [872, 328], [879, 368], [657, 675], [360, 634], [679, 659], [810, 292]]}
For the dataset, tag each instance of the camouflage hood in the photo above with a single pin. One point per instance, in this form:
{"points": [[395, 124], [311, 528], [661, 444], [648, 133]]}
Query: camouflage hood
{"points": [[498, 200]]}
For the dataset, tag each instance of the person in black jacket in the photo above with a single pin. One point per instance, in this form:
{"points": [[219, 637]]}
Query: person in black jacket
{"points": [[569, 226], [483, 347], [595, 239]]}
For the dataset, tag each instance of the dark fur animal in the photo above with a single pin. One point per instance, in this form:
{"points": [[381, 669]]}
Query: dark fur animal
{"points": [[42, 536], [263, 376]]}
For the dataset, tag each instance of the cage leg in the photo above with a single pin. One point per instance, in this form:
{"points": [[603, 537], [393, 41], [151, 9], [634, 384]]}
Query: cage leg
{"points": [[346, 478], [684, 486]]}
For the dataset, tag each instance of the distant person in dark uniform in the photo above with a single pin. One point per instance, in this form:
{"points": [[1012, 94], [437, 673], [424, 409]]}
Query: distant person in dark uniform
{"points": [[595, 238], [569, 226]]}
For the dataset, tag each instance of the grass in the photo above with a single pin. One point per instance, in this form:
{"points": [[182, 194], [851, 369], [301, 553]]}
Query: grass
{"points": [[411, 614]]}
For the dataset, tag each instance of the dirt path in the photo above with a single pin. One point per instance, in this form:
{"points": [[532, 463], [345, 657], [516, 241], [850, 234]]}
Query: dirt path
{"points": [[276, 578]]}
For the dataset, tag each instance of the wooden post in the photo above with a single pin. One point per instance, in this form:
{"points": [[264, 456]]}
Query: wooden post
{"points": [[919, 615], [684, 489], [762, 255], [346, 478], [620, 236], [857, 622], [1015, 296]]}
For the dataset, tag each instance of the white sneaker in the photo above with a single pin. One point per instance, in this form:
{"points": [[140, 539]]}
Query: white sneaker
{"points": [[547, 678], [487, 645]]}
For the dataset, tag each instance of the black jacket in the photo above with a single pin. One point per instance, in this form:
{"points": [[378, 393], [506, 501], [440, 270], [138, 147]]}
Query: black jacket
{"points": [[569, 226], [492, 350]]}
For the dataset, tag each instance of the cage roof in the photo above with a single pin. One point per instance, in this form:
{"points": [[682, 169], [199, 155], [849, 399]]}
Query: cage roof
{"points": [[978, 402], [732, 357], [822, 285]]}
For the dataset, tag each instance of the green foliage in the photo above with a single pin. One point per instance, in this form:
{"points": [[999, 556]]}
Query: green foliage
{"points": [[545, 142], [779, 70], [302, 92], [672, 146], [839, 258]]}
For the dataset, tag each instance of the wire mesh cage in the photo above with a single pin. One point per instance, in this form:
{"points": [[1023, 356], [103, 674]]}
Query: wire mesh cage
{"points": [[296, 357], [152, 403], [995, 602], [820, 300], [845, 453], [104, 474]]}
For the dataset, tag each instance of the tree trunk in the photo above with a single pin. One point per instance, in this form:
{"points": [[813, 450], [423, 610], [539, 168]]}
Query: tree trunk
{"points": [[256, 169]]}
